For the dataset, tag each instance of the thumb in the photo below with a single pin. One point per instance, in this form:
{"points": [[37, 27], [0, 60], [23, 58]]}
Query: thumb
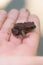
{"points": [[33, 40]]}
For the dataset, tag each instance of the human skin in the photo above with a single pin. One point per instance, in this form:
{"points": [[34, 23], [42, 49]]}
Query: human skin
{"points": [[10, 45]]}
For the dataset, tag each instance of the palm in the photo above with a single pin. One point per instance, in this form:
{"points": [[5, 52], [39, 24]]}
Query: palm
{"points": [[10, 45]]}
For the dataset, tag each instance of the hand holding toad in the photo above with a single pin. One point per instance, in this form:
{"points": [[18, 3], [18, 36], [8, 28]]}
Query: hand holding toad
{"points": [[9, 44]]}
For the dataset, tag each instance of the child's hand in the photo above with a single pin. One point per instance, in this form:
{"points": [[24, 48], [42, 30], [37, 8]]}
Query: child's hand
{"points": [[9, 44]]}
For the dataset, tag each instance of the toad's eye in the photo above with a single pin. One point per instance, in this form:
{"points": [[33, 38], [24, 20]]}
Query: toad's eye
{"points": [[15, 31]]}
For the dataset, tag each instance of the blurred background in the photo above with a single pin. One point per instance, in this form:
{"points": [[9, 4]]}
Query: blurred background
{"points": [[35, 6]]}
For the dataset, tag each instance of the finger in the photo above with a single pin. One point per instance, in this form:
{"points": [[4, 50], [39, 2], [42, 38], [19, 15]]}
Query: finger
{"points": [[3, 16], [12, 16], [23, 16], [33, 40], [27, 60], [23, 60], [24, 13]]}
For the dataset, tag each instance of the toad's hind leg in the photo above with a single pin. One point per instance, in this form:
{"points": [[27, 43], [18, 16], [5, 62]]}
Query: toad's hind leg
{"points": [[23, 34]]}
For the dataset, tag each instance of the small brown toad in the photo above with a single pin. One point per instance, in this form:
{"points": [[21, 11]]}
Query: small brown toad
{"points": [[23, 28]]}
